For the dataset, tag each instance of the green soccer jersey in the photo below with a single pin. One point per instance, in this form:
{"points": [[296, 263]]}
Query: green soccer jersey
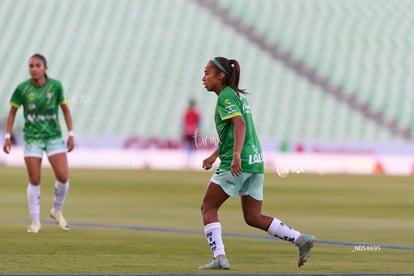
{"points": [[228, 106], [40, 109]]}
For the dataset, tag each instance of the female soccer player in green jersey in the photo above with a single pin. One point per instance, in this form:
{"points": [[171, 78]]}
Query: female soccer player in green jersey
{"points": [[241, 169], [41, 97]]}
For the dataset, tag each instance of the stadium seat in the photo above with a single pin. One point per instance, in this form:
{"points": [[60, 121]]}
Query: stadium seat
{"points": [[130, 67]]}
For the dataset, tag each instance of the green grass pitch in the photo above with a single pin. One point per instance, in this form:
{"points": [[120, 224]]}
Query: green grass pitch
{"points": [[376, 210]]}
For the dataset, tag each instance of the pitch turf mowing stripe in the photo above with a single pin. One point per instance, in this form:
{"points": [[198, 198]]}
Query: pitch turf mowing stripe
{"points": [[354, 274], [357, 246]]}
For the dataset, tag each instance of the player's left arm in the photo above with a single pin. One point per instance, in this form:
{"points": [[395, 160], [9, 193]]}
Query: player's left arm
{"points": [[9, 126], [69, 125], [239, 136]]}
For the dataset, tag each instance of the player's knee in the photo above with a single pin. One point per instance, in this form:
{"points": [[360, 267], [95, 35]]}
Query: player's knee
{"points": [[34, 180], [62, 178], [252, 220], [203, 208], [207, 210]]}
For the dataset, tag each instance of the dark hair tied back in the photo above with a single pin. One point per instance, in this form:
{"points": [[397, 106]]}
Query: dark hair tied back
{"points": [[232, 69], [41, 57]]}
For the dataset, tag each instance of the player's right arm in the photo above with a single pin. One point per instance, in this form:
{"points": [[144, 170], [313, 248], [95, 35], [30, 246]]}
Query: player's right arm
{"points": [[208, 162], [9, 126]]}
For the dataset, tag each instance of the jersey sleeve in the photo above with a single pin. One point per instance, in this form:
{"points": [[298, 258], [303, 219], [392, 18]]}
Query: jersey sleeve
{"points": [[16, 98], [61, 94], [228, 105]]}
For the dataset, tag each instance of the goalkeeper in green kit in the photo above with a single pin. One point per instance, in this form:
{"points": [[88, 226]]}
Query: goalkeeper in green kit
{"points": [[41, 98]]}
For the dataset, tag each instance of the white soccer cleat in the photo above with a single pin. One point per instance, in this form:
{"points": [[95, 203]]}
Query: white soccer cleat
{"points": [[34, 227], [58, 217], [220, 262], [305, 244]]}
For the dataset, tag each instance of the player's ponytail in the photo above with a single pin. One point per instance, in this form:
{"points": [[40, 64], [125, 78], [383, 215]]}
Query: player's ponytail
{"points": [[231, 69]]}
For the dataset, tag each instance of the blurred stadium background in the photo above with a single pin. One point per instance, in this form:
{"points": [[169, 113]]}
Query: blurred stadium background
{"points": [[329, 79]]}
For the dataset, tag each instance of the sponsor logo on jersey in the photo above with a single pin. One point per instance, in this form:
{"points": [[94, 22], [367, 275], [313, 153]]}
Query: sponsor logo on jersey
{"points": [[33, 117], [230, 107], [246, 108], [257, 157], [31, 96]]}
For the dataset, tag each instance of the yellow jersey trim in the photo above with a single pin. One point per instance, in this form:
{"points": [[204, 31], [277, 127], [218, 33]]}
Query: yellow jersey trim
{"points": [[235, 114], [15, 105]]}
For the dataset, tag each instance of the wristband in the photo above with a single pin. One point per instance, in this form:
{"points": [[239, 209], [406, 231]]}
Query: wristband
{"points": [[71, 133], [7, 136]]}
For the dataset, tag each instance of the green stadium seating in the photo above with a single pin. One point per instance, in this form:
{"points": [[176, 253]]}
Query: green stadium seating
{"points": [[130, 67]]}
